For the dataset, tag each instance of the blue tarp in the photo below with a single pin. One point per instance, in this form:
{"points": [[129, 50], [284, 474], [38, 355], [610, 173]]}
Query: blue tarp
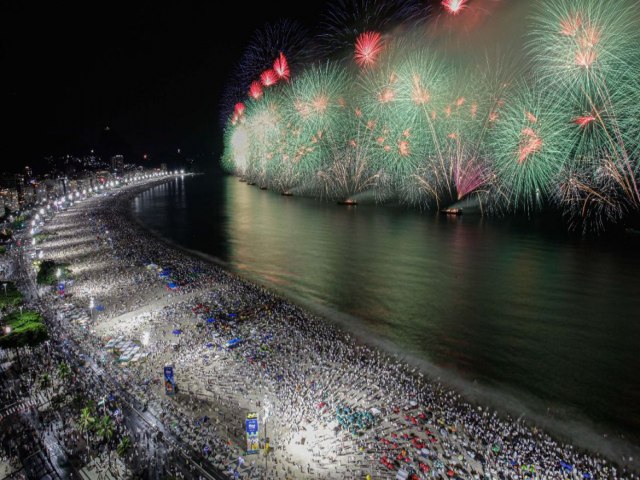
{"points": [[566, 466], [234, 342], [172, 285], [211, 320], [100, 308], [209, 345], [177, 332]]}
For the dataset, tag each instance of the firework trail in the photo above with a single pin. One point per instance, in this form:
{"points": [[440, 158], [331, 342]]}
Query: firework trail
{"points": [[580, 44], [284, 39], [315, 110], [528, 147], [345, 20]]}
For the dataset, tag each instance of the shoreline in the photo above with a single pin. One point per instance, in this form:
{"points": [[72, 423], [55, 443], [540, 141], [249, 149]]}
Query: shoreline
{"points": [[428, 394], [576, 430]]}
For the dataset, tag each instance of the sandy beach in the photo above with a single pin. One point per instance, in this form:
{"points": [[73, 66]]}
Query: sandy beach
{"points": [[335, 407]]}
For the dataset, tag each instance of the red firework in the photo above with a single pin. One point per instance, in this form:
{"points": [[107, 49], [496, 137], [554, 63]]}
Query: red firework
{"points": [[268, 78], [281, 67], [368, 48], [239, 109], [255, 90], [454, 7], [584, 120], [386, 95], [529, 144], [570, 25], [419, 95], [403, 148]]}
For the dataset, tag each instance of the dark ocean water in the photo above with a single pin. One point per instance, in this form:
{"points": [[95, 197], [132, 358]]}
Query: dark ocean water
{"points": [[515, 311]]}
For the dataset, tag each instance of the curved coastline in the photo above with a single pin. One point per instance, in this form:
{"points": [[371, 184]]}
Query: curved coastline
{"points": [[509, 409]]}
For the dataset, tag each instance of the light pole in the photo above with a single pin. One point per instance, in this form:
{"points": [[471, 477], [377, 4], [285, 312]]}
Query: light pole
{"points": [[267, 412], [91, 304]]}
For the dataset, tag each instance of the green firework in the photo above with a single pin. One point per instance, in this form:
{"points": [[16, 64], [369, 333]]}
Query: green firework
{"points": [[315, 106], [582, 43], [528, 146]]}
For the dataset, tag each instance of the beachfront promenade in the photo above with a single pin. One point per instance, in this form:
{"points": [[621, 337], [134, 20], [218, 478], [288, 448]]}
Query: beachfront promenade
{"points": [[334, 408]]}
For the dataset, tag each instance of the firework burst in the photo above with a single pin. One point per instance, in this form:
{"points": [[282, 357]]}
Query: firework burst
{"points": [[284, 39], [454, 7], [428, 126], [315, 109], [529, 148], [584, 43], [346, 20], [367, 49]]}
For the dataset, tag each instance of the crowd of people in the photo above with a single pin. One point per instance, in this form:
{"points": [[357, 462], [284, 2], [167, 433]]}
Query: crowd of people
{"points": [[329, 405]]}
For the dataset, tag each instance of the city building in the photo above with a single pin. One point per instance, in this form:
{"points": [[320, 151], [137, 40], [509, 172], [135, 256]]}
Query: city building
{"points": [[117, 163]]}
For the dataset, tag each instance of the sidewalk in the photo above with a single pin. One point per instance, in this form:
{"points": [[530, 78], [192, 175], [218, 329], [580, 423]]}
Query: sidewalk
{"points": [[98, 469]]}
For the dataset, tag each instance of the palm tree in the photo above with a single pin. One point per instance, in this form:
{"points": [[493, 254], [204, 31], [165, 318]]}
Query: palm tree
{"points": [[123, 446], [105, 431], [64, 370], [45, 381], [87, 421]]}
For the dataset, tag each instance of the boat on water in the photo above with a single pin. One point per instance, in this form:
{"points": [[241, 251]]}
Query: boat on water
{"points": [[263, 187], [242, 180], [348, 201], [451, 211], [286, 194], [251, 183]]}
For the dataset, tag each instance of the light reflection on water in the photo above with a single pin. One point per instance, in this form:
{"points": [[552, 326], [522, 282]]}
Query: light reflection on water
{"points": [[510, 304]]}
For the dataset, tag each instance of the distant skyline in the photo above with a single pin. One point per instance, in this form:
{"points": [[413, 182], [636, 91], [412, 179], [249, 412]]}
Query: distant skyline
{"points": [[153, 74]]}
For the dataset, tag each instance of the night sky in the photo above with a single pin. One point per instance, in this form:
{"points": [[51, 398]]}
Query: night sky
{"points": [[153, 73]]}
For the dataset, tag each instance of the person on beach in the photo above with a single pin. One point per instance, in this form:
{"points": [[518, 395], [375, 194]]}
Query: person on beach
{"points": [[337, 408]]}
